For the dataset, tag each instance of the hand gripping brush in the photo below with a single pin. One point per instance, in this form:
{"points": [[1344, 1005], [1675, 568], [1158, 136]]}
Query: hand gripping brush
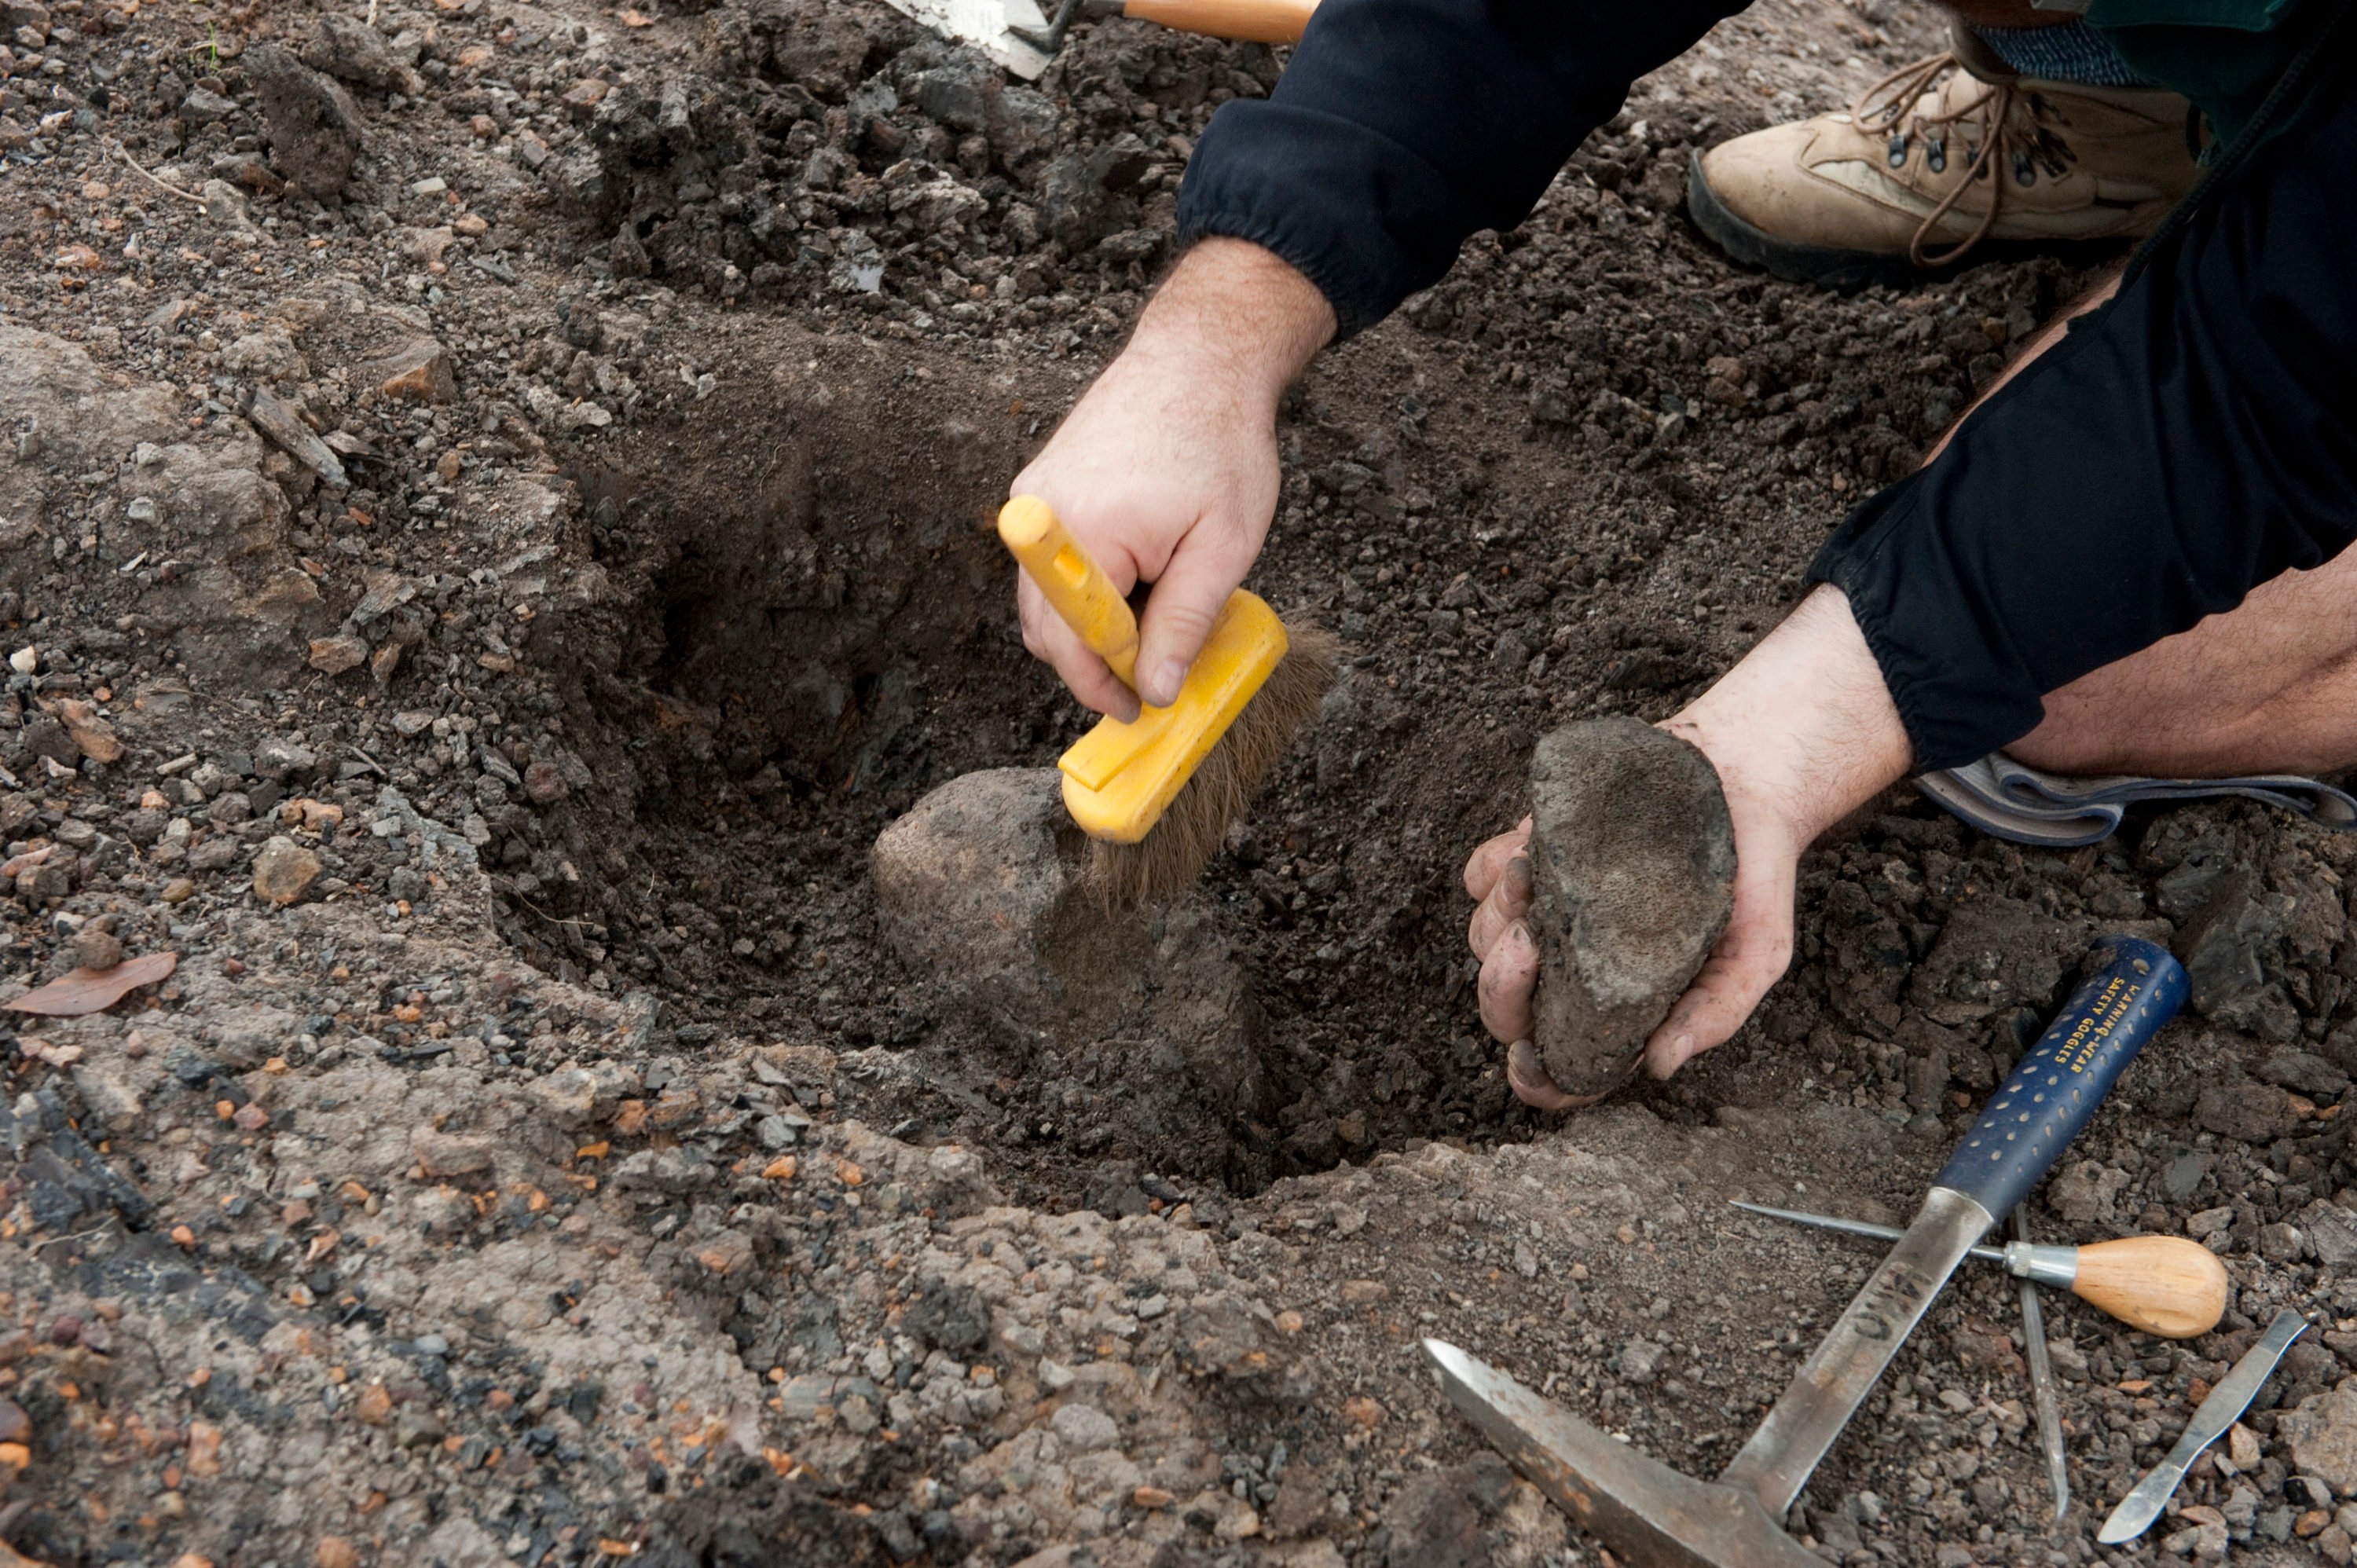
{"points": [[1156, 793]]}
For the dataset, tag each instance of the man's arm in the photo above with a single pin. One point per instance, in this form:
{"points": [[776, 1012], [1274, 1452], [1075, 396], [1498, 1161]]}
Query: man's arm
{"points": [[1404, 126], [2187, 440], [1401, 127]]}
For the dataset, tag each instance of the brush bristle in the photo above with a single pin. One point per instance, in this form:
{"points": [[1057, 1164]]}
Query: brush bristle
{"points": [[1169, 858]]}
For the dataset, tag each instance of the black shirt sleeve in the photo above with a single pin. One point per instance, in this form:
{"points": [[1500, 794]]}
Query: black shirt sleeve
{"points": [[2188, 441], [1403, 126]]}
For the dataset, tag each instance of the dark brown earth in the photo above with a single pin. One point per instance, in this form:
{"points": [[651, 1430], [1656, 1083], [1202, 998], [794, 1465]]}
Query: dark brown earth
{"points": [[580, 1162]]}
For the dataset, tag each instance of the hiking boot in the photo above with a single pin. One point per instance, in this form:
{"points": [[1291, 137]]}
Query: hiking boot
{"points": [[1938, 158]]}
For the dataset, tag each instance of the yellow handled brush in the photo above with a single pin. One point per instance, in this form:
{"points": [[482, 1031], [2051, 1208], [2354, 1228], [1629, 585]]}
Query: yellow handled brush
{"points": [[1157, 792]]}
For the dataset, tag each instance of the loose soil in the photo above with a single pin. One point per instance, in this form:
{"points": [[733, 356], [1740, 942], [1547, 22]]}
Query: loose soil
{"points": [[544, 1153]]}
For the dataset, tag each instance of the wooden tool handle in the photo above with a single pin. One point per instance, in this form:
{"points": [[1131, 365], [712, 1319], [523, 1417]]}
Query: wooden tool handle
{"points": [[1073, 584], [1253, 21], [2163, 1285]]}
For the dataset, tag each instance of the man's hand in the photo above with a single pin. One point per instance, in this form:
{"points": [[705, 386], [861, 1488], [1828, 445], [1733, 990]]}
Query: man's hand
{"points": [[1801, 733], [1166, 469]]}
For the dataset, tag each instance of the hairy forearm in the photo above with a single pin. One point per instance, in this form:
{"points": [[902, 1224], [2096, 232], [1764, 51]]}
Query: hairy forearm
{"points": [[1233, 319], [1806, 718]]}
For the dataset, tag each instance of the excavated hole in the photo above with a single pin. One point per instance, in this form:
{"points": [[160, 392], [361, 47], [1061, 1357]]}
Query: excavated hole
{"points": [[808, 631]]}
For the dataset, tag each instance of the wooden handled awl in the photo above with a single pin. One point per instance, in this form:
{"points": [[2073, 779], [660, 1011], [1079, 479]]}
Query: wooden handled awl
{"points": [[1247, 21], [2163, 1285]]}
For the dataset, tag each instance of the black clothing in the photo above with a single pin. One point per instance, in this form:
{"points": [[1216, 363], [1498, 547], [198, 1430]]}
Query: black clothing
{"points": [[1403, 126], [2190, 440], [2183, 444]]}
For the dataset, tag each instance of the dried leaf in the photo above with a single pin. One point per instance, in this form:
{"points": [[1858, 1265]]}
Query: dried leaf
{"points": [[94, 990], [636, 20]]}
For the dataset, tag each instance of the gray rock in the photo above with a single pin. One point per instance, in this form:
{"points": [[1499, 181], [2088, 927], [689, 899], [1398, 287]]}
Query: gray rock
{"points": [[2228, 949], [2332, 1233], [2181, 1177], [204, 106], [2304, 1073], [1995, 953], [1083, 1428], [1479, 1512], [2322, 1435], [1632, 870], [1022, 125], [2252, 1113], [349, 47], [969, 881], [314, 132], [978, 893], [1639, 1360], [2087, 1193], [958, 94]]}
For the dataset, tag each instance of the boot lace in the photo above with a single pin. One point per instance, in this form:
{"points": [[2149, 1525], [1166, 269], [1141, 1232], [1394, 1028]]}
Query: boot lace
{"points": [[2001, 130]]}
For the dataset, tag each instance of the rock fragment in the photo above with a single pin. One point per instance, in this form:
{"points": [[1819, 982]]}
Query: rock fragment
{"points": [[2232, 948], [334, 655], [969, 879], [349, 47], [978, 893], [284, 871], [314, 129], [419, 371], [2323, 1434], [2253, 1112], [1632, 866], [277, 418], [450, 1153], [90, 733]]}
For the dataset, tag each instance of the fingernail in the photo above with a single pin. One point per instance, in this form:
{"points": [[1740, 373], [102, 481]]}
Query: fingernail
{"points": [[1162, 687]]}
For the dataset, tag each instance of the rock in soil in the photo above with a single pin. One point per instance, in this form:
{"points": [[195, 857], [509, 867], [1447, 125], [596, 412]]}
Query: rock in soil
{"points": [[978, 890], [2323, 1434], [315, 130], [1632, 866]]}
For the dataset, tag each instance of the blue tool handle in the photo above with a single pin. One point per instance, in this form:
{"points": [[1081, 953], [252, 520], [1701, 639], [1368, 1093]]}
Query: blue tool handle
{"points": [[2054, 1088]]}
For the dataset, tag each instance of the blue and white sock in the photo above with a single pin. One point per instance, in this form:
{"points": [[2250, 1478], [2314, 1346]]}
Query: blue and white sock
{"points": [[2069, 52]]}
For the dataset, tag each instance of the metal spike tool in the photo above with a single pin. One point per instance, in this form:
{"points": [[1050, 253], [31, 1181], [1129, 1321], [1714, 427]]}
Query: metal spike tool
{"points": [[2041, 1375], [2169, 1286]]}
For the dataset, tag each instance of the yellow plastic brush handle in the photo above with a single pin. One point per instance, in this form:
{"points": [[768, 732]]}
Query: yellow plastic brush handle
{"points": [[1075, 585]]}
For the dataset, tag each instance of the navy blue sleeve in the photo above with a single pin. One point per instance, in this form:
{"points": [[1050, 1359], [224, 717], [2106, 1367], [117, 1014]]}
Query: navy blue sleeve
{"points": [[2185, 442], [1403, 126]]}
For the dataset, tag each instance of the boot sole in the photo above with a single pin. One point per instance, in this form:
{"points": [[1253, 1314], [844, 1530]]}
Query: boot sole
{"points": [[1849, 271]]}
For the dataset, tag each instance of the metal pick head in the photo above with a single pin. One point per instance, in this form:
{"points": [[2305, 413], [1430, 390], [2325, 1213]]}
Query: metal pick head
{"points": [[1648, 1514]]}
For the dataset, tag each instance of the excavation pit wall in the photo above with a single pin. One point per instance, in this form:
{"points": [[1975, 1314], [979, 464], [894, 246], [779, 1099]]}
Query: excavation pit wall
{"points": [[805, 627]]}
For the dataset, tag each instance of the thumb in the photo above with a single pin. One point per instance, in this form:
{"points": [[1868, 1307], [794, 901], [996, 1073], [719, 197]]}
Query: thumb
{"points": [[1187, 598]]}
